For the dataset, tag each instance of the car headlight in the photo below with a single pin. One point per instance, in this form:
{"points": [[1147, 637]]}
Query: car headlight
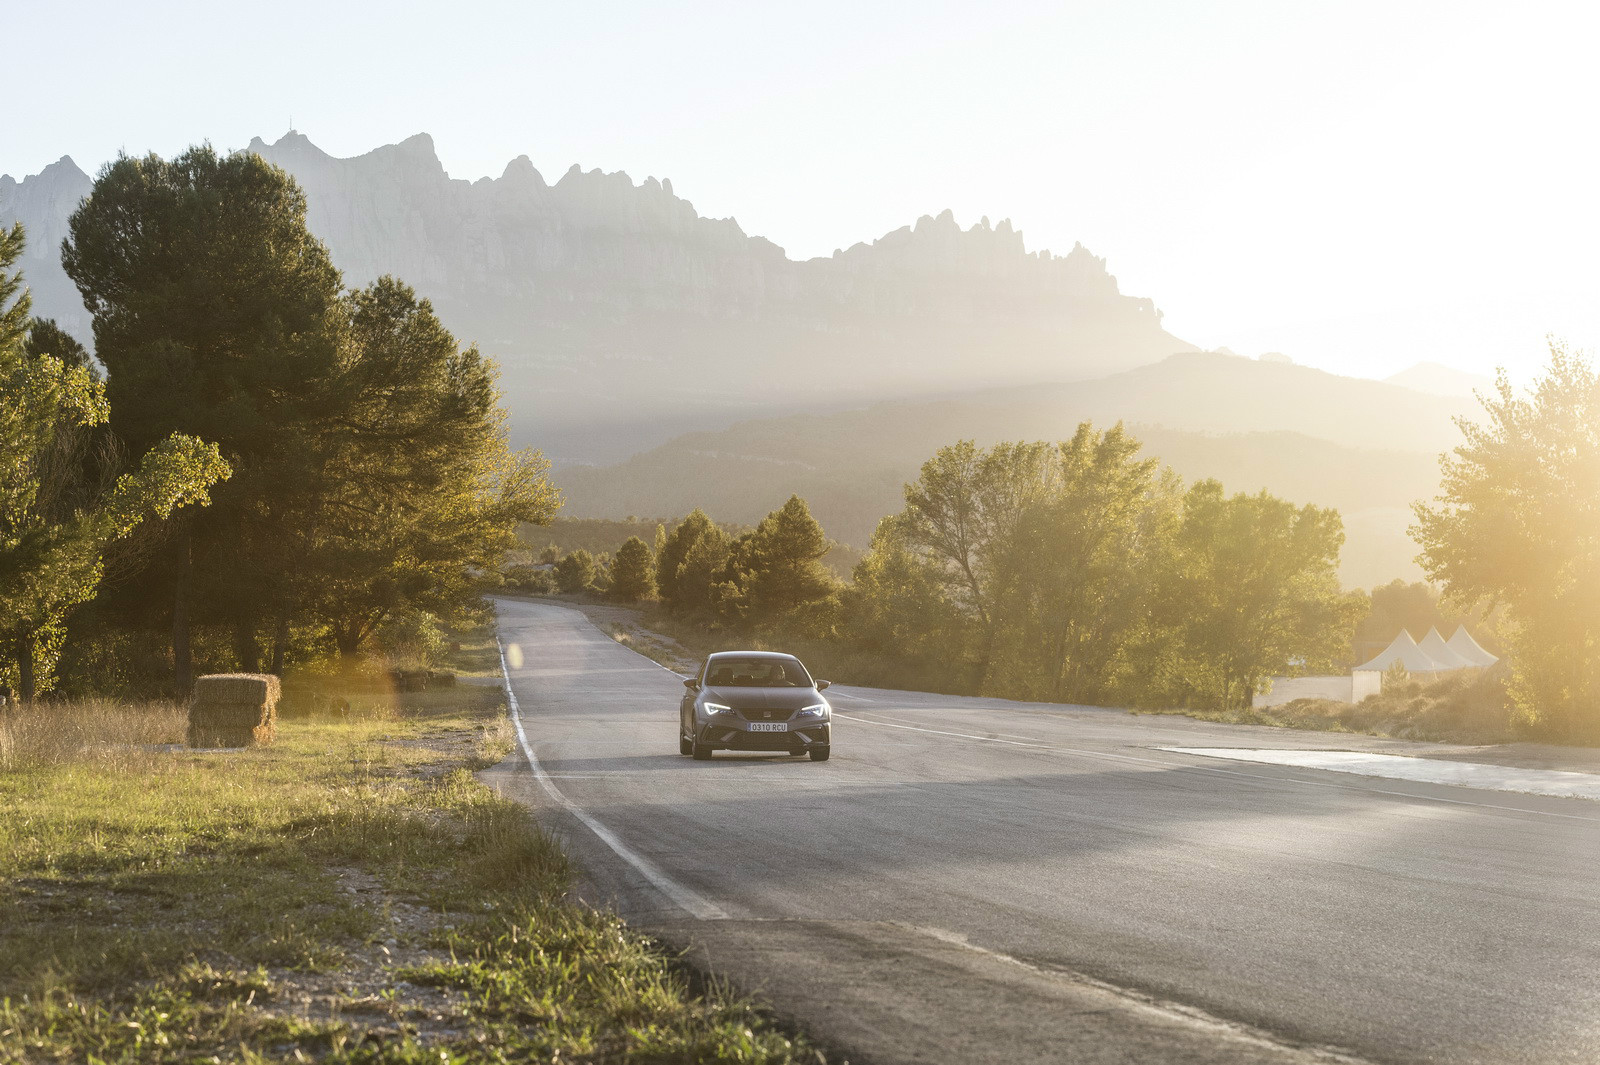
{"points": [[716, 708], [818, 710]]}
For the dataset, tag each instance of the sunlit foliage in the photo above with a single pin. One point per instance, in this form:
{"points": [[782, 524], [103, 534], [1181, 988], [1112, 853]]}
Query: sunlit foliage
{"points": [[1517, 523]]}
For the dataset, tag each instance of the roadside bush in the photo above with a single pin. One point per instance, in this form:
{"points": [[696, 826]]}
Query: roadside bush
{"points": [[530, 580], [576, 573], [1466, 707], [413, 640]]}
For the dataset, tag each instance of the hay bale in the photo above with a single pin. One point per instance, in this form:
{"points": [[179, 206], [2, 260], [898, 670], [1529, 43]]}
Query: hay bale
{"points": [[409, 680], [234, 710], [258, 689]]}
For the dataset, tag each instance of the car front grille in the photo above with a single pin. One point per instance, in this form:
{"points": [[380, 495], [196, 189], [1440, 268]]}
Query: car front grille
{"points": [[766, 715]]}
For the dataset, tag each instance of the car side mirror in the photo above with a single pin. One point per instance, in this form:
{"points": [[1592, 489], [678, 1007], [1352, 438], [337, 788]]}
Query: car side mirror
{"points": [[691, 683], [823, 684]]}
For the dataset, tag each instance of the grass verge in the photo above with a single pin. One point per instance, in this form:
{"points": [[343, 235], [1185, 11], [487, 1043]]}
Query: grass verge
{"points": [[350, 894]]}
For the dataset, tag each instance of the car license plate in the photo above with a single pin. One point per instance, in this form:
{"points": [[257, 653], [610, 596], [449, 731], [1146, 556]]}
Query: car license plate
{"points": [[769, 726]]}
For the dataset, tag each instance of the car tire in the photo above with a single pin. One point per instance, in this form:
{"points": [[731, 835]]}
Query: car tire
{"points": [[701, 752], [685, 744], [797, 754], [820, 754]]}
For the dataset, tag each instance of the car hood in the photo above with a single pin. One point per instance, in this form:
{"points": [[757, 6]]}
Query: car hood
{"points": [[741, 698]]}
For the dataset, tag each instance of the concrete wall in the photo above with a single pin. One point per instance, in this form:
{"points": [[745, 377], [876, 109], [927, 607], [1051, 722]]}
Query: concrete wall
{"points": [[1345, 689], [1365, 682]]}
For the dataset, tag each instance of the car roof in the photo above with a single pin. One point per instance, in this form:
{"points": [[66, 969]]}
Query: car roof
{"points": [[751, 654]]}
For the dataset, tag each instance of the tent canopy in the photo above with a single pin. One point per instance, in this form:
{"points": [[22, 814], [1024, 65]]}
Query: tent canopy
{"points": [[1464, 645], [1434, 647], [1405, 651]]}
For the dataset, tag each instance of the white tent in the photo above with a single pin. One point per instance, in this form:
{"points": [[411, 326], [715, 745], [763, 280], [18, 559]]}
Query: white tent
{"points": [[1405, 651], [1464, 645], [1434, 647]]}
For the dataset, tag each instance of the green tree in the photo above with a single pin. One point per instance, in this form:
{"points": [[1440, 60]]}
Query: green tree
{"points": [[633, 572], [575, 573], [707, 588], [55, 525], [784, 559], [45, 337], [1517, 524], [1252, 590], [418, 496], [217, 315], [1075, 581], [674, 551], [962, 517], [896, 611]]}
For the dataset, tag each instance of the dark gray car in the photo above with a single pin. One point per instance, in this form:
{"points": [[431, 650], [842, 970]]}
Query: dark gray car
{"points": [[754, 701]]}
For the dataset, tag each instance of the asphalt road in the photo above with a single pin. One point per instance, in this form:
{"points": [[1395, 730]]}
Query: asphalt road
{"points": [[976, 880]]}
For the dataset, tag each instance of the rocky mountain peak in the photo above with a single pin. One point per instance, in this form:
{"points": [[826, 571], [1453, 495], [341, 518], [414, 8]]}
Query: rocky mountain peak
{"points": [[609, 301]]}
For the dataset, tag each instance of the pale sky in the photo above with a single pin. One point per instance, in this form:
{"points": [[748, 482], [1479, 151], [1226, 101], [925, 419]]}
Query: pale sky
{"points": [[1360, 185]]}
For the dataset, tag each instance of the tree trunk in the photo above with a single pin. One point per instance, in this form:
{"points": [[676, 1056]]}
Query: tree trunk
{"points": [[27, 682], [280, 645], [246, 648], [348, 638], [182, 655]]}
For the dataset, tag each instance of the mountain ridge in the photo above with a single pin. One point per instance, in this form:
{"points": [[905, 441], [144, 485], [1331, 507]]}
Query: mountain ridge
{"points": [[621, 316]]}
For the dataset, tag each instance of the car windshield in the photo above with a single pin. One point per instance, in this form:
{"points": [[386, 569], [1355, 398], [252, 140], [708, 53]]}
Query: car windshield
{"points": [[757, 673]]}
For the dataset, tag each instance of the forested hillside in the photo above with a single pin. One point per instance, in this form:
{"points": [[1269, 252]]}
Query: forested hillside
{"points": [[1363, 447]]}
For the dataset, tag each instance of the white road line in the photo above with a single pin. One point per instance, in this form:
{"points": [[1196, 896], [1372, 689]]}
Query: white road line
{"points": [[1482, 776], [1256, 777], [691, 902], [1164, 1008]]}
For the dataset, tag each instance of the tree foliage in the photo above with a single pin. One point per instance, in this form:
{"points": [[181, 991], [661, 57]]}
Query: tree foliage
{"points": [[1517, 524], [1076, 571], [784, 575], [418, 493], [1252, 591], [55, 522], [372, 476], [576, 573], [633, 572]]}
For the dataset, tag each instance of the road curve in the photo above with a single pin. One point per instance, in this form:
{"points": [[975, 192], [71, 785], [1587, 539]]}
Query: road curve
{"points": [[979, 880]]}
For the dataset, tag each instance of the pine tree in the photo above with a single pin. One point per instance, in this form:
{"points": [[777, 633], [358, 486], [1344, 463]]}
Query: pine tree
{"points": [[674, 551], [216, 314], [785, 563], [418, 495], [575, 574], [633, 575]]}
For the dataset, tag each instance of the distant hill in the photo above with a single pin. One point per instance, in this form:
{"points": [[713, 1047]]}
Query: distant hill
{"points": [[1367, 448], [1440, 380], [621, 317]]}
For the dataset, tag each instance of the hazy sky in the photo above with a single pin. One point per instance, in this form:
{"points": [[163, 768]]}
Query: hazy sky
{"points": [[1361, 185]]}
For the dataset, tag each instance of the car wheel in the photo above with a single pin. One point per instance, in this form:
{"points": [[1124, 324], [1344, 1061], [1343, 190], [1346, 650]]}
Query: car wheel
{"points": [[700, 751], [819, 754], [685, 744], [797, 754]]}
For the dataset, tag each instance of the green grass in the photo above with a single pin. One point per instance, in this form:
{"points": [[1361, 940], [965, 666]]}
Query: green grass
{"points": [[161, 905]]}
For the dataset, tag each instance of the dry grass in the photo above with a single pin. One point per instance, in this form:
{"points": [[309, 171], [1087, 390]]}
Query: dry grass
{"points": [[103, 732], [349, 895]]}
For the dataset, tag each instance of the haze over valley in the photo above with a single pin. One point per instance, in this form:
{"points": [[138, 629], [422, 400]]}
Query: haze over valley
{"points": [[636, 337]]}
